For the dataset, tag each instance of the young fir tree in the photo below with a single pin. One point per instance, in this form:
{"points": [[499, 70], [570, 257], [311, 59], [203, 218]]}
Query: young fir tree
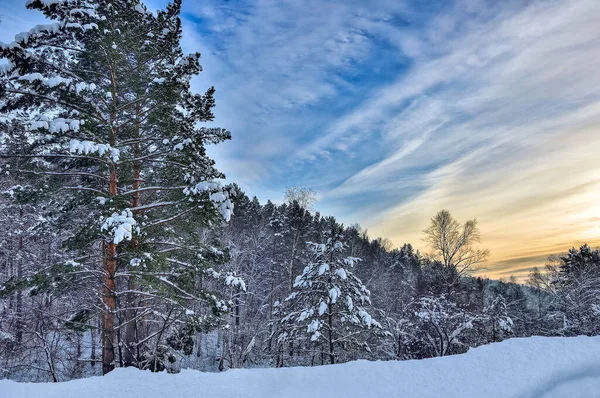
{"points": [[328, 302], [113, 128], [499, 323]]}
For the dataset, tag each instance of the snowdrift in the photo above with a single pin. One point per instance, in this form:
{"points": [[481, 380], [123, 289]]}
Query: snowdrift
{"points": [[525, 367]]}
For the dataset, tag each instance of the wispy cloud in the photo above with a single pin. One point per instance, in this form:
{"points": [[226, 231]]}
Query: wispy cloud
{"points": [[394, 110], [509, 109]]}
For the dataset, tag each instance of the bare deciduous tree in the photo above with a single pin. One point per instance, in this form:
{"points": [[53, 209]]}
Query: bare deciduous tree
{"points": [[452, 245], [305, 197]]}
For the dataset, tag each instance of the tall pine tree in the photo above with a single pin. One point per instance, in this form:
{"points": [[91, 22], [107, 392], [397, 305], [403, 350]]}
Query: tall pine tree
{"points": [[114, 130]]}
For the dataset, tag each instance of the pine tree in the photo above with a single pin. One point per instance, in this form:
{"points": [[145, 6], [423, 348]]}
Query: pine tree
{"points": [[499, 323], [297, 225], [329, 301], [105, 90], [441, 324], [577, 287]]}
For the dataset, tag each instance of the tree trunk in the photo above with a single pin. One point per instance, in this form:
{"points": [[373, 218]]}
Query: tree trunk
{"points": [[129, 357], [110, 260], [93, 349], [131, 331], [78, 371], [236, 306], [198, 345], [108, 312], [271, 307], [19, 309], [293, 255], [330, 324], [108, 292], [330, 318]]}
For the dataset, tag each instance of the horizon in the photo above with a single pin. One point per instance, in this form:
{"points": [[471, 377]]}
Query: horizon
{"points": [[395, 111]]}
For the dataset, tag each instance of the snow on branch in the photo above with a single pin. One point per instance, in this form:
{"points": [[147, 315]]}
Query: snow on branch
{"points": [[120, 226], [58, 125], [217, 194], [87, 147]]}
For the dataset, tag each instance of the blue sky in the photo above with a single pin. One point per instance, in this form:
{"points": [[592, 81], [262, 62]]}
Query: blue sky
{"points": [[392, 110]]}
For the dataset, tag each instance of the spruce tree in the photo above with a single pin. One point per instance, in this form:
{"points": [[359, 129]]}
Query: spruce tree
{"points": [[328, 304], [114, 132], [499, 323]]}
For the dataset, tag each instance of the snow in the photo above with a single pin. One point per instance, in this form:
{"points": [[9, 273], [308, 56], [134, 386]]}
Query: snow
{"points": [[226, 209], [120, 225], [368, 319], [5, 336], [181, 145], [505, 324], [134, 262], [334, 293], [75, 25], [6, 67], [218, 196], [89, 26], [30, 77], [24, 37], [313, 328], [547, 367], [341, 273], [323, 268], [81, 86], [232, 280], [350, 261], [88, 147], [305, 315], [47, 3], [322, 307], [50, 82], [58, 125], [349, 303]]}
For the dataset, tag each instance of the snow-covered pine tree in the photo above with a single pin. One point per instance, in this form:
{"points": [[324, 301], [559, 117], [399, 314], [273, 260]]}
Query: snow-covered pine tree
{"points": [[114, 131], [499, 323], [576, 288], [328, 304], [295, 232], [276, 255], [441, 324]]}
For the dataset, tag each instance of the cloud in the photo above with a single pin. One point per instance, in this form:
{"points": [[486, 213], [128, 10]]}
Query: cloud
{"points": [[507, 111], [15, 18], [394, 110], [275, 66]]}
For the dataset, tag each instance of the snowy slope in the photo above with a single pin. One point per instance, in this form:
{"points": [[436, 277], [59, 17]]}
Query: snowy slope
{"points": [[527, 367]]}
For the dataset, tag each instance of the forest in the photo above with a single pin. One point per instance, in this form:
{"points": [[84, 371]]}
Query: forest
{"points": [[124, 245]]}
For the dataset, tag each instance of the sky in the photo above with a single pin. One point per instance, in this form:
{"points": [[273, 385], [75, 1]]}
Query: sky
{"points": [[393, 110]]}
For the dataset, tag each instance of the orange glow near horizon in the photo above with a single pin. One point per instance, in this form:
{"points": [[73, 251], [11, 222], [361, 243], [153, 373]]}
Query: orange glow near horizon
{"points": [[527, 210]]}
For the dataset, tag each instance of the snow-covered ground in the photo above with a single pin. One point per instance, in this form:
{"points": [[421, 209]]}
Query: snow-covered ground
{"points": [[527, 367]]}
